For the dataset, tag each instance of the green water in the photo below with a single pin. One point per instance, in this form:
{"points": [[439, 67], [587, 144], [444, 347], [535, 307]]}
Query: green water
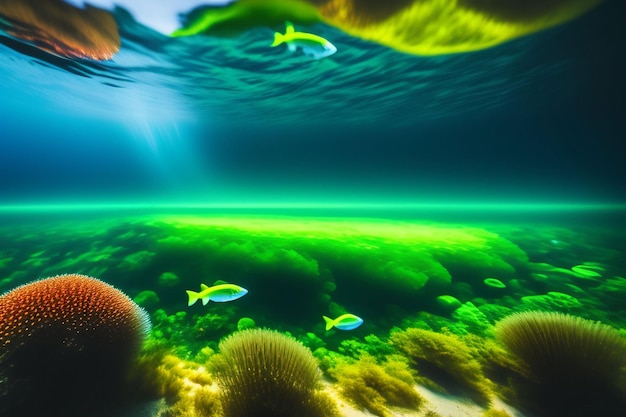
{"points": [[404, 270]]}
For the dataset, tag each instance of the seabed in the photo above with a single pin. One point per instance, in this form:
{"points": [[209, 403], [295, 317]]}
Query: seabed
{"points": [[430, 293]]}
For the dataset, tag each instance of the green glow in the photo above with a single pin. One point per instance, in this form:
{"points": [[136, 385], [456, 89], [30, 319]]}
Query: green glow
{"points": [[428, 206]]}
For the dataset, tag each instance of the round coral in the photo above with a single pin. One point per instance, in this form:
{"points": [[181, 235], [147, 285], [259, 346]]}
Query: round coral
{"points": [[69, 339]]}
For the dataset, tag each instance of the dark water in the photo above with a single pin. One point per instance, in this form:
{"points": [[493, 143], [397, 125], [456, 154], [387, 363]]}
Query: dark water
{"points": [[371, 182]]}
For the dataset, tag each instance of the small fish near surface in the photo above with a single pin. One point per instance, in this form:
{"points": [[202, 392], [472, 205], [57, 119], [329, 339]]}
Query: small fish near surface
{"points": [[311, 45], [219, 293], [343, 322]]}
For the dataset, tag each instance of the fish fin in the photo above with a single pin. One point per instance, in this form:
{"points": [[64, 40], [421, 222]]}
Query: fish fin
{"points": [[203, 287], [289, 28], [278, 39], [329, 322], [205, 300], [220, 282], [193, 297]]}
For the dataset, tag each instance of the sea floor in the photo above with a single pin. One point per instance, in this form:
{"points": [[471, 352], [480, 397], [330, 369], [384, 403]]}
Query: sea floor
{"points": [[430, 293]]}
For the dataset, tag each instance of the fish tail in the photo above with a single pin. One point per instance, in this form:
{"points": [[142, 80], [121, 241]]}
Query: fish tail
{"points": [[329, 322], [278, 39], [193, 297]]}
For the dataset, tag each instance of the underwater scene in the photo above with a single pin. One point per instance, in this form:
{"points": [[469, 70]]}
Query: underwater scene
{"points": [[312, 208]]}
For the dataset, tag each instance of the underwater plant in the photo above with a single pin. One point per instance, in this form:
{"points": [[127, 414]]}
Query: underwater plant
{"points": [[445, 360], [567, 357], [265, 373], [185, 386], [67, 341], [376, 387]]}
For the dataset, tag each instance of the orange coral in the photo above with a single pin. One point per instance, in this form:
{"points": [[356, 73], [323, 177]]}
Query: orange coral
{"points": [[66, 334]]}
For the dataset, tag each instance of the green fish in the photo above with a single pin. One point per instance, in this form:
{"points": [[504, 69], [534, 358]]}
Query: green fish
{"points": [[343, 322], [218, 293], [311, 45]]}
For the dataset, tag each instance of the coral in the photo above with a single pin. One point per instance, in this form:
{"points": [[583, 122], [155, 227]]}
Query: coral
{"points": [[445, 360], [568, 357], [375, 387], [66, 335], [265, 373]]}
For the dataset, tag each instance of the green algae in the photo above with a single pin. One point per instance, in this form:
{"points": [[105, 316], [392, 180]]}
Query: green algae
{"points": [[494, 283]]}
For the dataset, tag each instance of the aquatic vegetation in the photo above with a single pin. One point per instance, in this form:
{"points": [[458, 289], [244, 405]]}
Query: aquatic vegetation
{"points": [[185, 386], [311, 45], [448, 302], [473, 318], [371, 345], [245, 323], [376, 387], [552, 301], [137, 260], [492, 412], [263, 372], [168, 279], [494, 283], [343, 322], [69, 333], [589, 270], [567, 357], [146, 298], [445, 360]]}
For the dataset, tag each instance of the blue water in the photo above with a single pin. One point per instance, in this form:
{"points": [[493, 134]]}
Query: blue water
{"points": [[207, 119]]}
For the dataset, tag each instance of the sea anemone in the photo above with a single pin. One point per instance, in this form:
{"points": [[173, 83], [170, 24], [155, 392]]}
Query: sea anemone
{"points": [[67, 342], [266, 373], [567, 358]]}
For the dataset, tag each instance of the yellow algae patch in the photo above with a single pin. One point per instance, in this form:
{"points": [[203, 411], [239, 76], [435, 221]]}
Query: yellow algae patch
{"points": [[434, 27], [338, 229]]}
